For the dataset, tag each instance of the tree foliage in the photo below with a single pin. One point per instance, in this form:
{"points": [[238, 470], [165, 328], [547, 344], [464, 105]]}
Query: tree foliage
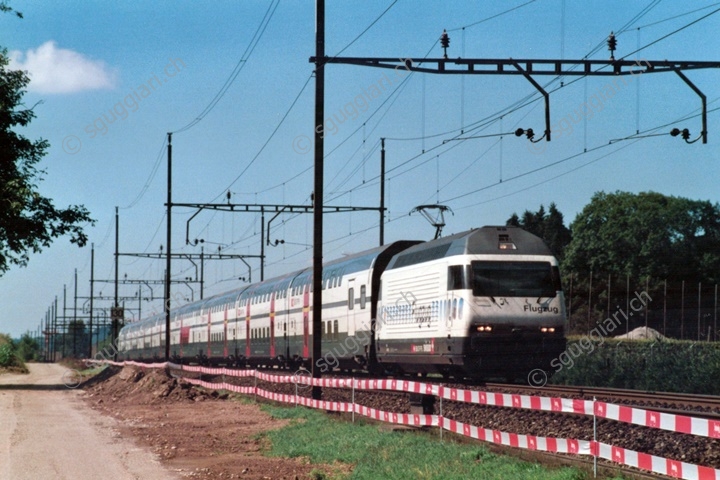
{"points": [[549, 226], [73, 343], [646, 235], [28, 221], [5, 8], [27, 348]]}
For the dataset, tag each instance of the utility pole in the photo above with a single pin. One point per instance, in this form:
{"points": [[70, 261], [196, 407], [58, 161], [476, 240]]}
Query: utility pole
{"points": [[75, 318], [202, 271], [43, 331], [168, 261], [116, 310], [55, 305], [262, 245], [382, 192], [64, 316], [92, 292], [318, 191]]}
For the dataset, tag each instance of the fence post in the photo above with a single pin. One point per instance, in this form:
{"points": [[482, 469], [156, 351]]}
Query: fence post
{"points": [[353, 400], [440, 423], [594, 440]]}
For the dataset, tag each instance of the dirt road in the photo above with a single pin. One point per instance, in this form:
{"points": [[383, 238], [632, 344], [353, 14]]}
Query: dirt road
{"points": [[46, 431]]}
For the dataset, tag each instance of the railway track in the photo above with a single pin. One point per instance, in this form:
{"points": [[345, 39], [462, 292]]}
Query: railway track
{"points": [[705, 406]]}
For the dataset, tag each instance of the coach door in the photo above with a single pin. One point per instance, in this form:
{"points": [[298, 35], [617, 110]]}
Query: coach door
{"points": [[272, 325], [351, 297], [306, 321], [284, 320]]}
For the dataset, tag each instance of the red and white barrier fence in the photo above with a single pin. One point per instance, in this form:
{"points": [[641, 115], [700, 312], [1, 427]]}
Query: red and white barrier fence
{"points": [[637, 416]]}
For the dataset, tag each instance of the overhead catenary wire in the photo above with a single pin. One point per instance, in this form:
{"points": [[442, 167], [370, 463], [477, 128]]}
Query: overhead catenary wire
{"points": [[254, 41], [262, 148], [474, 24], [366, 29], [297, 98], [633, 137], [392, 95], [304, 171], [674, 17], [529, 99], [150, 178]]}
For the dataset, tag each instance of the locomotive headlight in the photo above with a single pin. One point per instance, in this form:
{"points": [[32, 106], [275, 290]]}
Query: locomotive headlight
{"points": [[484, 328], [547, 329]]}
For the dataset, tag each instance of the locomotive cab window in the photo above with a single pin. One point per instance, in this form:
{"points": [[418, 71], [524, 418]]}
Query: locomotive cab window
{"points": [[513, 279], [458, 277]]}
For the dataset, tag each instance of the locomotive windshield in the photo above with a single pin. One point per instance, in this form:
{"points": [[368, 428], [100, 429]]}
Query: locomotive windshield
{"points": [[514, 279]]}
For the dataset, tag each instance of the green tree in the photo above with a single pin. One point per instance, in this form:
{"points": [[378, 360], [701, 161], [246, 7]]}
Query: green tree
{"points": [[28, 221], [646, 235], [5, 8], [549, 226], [75, 340], [27, 348], [624, 242]]}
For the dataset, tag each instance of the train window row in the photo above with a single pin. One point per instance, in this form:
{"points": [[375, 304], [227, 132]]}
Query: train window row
{"points": [[332, 278], [332, 330], [260, 332], [351, 297]]}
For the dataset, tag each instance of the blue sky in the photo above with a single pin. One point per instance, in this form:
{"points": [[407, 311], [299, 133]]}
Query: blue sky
{"points": [[114, 77]]}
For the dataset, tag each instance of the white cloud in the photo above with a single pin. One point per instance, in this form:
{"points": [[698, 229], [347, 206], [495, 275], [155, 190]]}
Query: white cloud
{"points": [[57, 70]]}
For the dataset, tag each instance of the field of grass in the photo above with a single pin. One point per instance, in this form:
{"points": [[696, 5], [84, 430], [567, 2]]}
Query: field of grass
{"points": [[374, 452]]}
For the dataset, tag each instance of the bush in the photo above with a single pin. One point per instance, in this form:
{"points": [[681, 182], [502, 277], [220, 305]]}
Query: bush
{"points": [[668, 365], [27, 349], [7, 355]]}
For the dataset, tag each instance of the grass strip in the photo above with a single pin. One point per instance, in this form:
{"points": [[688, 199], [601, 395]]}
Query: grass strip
{"points": [[374, 452]]}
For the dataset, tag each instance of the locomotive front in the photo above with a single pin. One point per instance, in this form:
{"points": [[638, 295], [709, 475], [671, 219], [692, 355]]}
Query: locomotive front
{"points": [[516, 316], [486, 303]]}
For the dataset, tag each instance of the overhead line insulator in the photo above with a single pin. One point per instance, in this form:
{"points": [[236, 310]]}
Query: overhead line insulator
{"points": [[612, 45], [445, 42]]}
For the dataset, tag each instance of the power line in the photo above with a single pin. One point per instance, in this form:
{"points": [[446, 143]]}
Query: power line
{"points": [[632, 137], [150, 178], [673, 17], [366, 29], [491, 17], [282, 120], [672, 33], [238, 67]]}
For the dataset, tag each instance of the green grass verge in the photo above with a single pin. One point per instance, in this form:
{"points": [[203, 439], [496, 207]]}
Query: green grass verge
{"points": [[377, 453]]}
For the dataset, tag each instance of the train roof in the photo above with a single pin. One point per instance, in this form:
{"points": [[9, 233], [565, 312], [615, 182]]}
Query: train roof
{"points": [[348, 264], [364, 260], [488, 240]]}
